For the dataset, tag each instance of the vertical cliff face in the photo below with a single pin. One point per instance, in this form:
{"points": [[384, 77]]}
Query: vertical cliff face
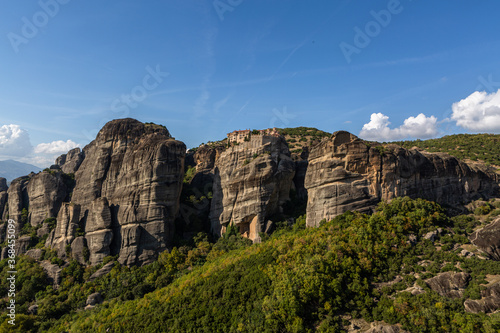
{"points": [[138, 169], [3, 195], [46, 192], [17, 199], [251, 181], [64, 233], [70, 162], [345, 173]]}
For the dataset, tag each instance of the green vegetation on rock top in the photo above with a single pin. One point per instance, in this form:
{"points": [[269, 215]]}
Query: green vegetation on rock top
{"points": [[475, 147]]}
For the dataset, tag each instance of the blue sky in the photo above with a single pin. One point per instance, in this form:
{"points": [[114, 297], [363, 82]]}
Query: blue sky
{"points": [[383, 70]]}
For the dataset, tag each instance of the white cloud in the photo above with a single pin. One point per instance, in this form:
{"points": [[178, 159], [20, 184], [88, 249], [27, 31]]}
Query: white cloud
{"points": [[378, 129], [46, 153], [55, 147], [14, 142], [480, 111]]}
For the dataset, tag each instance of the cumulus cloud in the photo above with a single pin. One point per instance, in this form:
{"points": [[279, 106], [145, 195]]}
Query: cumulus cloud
{"points": [[480, 111], [421, 127], [14, 142], [46, 153], [55, 147]]}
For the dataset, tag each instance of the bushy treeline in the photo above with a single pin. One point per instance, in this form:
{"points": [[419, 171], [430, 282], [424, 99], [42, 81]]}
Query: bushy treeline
{"points": [[476, 147], [303, 131], [297, 280]]}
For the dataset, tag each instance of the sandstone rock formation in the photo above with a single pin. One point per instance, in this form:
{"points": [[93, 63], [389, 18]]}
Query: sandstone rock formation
{"points": [[17, 199], [102, 271], [489, 302], [487, 239], [78, 247], [251, 182], [136, 171], [3, 195], [345, 173], [449, 284], [46, 192], [63, 234], [53, 272], [70, 162]]}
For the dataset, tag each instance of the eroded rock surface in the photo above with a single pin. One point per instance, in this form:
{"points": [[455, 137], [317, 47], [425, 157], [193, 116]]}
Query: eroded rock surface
{"points": [[251, 182], [70, 162], [487, 239], [449, 284], [489, 302], [17, 199], [64, 233], [3, 195], [138, 169], [46, 192], [345, 173]]}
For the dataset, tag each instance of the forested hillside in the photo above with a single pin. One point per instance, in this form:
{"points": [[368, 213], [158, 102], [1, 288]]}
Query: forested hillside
{"points": [[355, 268]]}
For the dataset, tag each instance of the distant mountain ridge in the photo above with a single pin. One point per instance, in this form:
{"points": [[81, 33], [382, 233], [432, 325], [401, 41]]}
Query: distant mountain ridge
{"points": [[10, 169]]}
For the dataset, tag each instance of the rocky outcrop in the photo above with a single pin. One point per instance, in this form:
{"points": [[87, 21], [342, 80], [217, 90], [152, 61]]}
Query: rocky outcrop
{"points": [[17, 199], [138, 169], [94, 299], [64, 233], [98, 231], [3, 195], [70, 162], [449, 284], [345, 173], [46, 192], [251, 181], [205, 157], [40, 194], [102, 271], [487, 239], [36, 254], [489, 302], [78, 247], [53, 272]]}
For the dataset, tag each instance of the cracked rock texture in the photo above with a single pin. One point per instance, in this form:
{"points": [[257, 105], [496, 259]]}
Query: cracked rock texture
{"points": [[64, 233], [70, 162], [136, 171], [345, 173], [46, 192], [487, 239], [449, 284], [251, 181], [489, 302]]}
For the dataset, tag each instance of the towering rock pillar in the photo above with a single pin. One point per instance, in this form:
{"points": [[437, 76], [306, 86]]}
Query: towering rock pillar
{"points": [[251, 181]]}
